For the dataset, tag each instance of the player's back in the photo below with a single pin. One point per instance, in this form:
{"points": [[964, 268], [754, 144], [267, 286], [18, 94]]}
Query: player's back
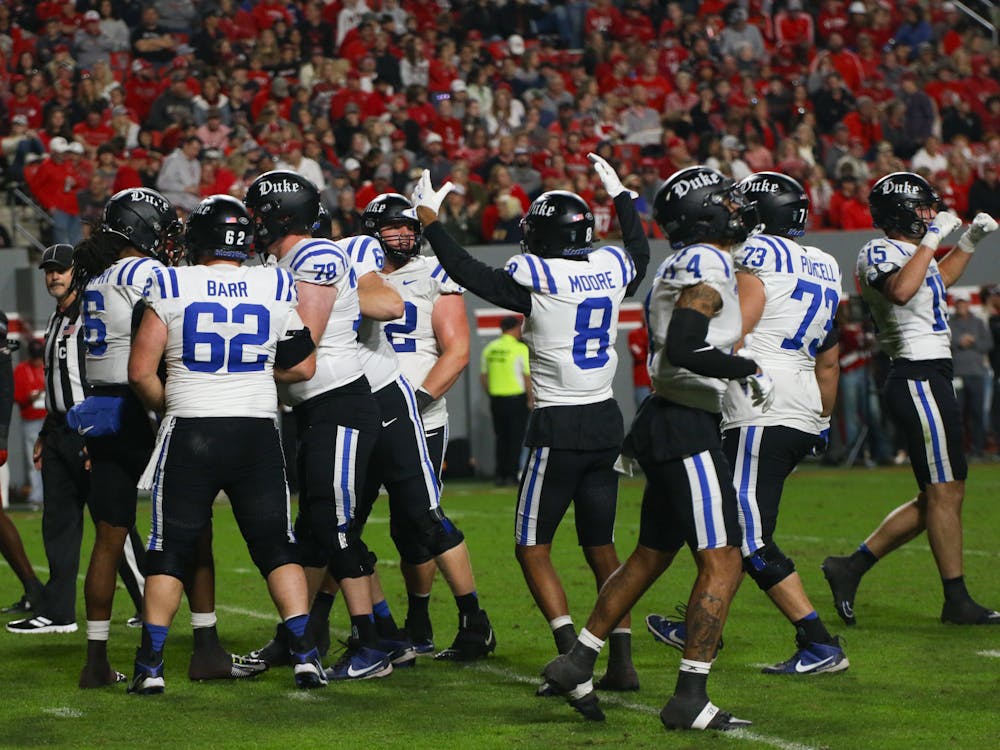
{"points": [[108, 303], [320, 261], [802, 289], [377, 356], [420, 283], [688, 267], [917, 330], [223, 325], [573, 324]]}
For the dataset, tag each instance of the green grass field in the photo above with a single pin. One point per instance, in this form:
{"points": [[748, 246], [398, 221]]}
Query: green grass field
{"points": [[913, 683]]}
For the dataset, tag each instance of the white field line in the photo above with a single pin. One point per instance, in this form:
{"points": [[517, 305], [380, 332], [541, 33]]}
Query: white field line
{"points": [[63, 712], [993, 653]]}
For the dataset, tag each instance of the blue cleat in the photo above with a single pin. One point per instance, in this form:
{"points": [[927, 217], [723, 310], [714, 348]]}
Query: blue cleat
{"points": [[672, 633], [147, 678], [401, 650], [813, 658], [308, 670], [360, 663]]}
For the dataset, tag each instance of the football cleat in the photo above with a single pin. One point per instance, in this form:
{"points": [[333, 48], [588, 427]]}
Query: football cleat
{"points": [[148, 678], [401, 651], [275, 652], [670, 632], [589, 707], [135, 621], [221, 665], [40, 624], [813, 658], [21, 607], [681, 714], [958, 613], [621, 679], [844, 585], [475, 638], [308, 670], [360, 663], [99, 675], [545, 690], [421, 635], [564, 677]]}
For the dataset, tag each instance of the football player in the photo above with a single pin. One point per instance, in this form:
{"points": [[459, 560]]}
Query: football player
{"points": [[226, 332], [420, 529], [336, 416], [788, 298], [906, 291], [137, 235], [431, 341], [693, 317], [570, 294]]}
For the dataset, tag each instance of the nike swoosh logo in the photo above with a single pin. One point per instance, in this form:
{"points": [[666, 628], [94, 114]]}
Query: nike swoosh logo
{"points": [[85, 430], [802, 668], [386, 424], [431, 434], [352, 672], [409, 281]]}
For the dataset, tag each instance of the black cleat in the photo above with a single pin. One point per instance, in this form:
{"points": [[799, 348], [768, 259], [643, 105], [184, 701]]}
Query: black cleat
{"points": [[21, 607], [968, 613], [680, 714], [563, 675], [619, 679], [844, 585], [589, 707], [275, 653], [218, 664], [475, 639]]}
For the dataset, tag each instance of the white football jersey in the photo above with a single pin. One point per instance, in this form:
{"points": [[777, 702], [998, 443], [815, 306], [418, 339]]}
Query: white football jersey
{"points": [[690, 266], [320, 261], [918, 329], [223, 325], [802, 288], [376, 353], [573, 324], [420, 283], [108, 302]]}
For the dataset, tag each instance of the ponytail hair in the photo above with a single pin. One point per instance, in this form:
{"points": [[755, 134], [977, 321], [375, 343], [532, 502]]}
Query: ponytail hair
{"points": [[94, 255]]}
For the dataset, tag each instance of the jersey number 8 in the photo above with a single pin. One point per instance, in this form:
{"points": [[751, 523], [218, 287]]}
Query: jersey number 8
{"points": [[585, 356]]}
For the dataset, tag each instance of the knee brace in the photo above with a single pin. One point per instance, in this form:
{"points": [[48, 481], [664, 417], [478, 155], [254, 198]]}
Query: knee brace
{"points": [[768, 566], [268, 554], [352, 560], [429, 534]]}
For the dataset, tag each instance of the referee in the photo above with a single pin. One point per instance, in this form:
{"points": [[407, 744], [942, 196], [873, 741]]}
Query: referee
{"points": [[506, 379], [59, 453]]}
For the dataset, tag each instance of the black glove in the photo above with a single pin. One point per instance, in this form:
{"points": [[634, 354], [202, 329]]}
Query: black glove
{"points": [[424, 399]]}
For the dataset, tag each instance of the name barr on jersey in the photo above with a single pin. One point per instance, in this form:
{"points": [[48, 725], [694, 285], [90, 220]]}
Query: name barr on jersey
{"points": [[706, 179], [818, 269], [591, 282], [230, 289]]}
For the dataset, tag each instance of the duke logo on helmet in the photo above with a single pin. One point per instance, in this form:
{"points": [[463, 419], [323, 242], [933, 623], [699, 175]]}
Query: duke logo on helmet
{"points": [[782, 203], [903, 203], [700, 204], [559, 224]]}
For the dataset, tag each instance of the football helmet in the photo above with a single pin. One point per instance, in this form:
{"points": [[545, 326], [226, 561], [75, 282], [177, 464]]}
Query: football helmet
{"points": [[903, 203], [559, 224], [391, 210], [324, 224], [782, 203], [700, 204], [281, 203], [146, 219], [219, 227]]}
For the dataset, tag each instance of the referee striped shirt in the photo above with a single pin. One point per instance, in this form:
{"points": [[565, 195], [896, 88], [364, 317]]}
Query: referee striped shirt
{"points": [[65, 360]]}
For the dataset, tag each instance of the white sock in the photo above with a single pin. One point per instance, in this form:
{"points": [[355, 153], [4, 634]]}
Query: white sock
{"points": [[622, 631], [98, 630], [557, 622], [695, 667], [203, 620], [590, 640]]}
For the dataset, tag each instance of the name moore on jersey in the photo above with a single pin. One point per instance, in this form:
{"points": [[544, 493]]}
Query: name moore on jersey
{"points": [[573, 324]]}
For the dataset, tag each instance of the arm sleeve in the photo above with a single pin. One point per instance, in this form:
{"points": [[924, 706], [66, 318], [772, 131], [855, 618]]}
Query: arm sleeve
{"points": [[686, 347], [634, 239], [831, 340], [492, 284]]}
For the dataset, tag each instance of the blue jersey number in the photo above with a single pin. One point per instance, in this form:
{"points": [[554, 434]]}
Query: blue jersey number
{"points": [[216, 345], [94, 331], [586, 332], [400, 334], [817, 297], [936, 283]]}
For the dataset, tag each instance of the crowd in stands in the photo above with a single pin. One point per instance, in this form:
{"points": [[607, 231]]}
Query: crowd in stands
{"points": [[503, 98]]}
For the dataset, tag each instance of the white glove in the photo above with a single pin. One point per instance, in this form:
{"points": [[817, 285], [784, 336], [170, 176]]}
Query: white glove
{"points": [[761, 390], [425, 195], [944, 224], [609, 177], [981, 226]]}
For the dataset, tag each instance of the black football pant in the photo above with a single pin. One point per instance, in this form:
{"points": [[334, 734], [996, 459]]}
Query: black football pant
{"points": [[510, 420]]}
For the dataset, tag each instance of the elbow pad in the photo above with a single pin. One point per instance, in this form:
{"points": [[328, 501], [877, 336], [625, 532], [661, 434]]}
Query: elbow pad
{"points": [[292, 350], [686, 347]]}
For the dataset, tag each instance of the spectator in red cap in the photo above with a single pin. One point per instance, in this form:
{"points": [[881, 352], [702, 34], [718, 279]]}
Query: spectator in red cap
{"points": [[151, 41], [142, 88], [91, 44], [54, 184]]}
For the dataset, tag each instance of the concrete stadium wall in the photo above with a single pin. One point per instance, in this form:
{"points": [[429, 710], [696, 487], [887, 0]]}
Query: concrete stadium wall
{"points": [[22, 290]]}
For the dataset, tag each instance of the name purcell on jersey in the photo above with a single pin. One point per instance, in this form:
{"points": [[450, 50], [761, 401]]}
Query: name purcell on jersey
{"points": [[591, 282], [819, 270]]}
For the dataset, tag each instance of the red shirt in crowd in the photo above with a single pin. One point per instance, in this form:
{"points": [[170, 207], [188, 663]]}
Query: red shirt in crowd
{"points": [[55, 184], [638, 346], [29, 390]]}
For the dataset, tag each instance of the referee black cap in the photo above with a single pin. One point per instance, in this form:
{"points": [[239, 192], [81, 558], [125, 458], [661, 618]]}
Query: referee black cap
{"points": [[57, 257]]}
